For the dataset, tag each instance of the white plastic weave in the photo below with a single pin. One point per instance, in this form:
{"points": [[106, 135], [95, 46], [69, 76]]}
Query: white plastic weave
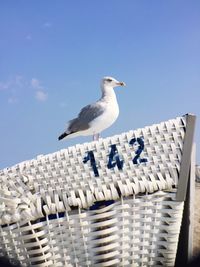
{"points": [[48, 215], [140, 231]]}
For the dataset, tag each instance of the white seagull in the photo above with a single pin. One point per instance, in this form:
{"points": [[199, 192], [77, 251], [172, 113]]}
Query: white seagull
{"points": [[96, 117]]}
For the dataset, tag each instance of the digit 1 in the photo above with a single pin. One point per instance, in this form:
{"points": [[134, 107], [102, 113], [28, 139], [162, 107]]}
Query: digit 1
{"points": [[114, 159], [91, 158], [138, 152]]}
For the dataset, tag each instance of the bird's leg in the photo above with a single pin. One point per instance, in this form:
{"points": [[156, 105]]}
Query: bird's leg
{"points": [[96, 137]]}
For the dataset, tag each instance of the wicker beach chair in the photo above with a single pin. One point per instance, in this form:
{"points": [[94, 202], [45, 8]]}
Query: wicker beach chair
{"points": [[113, 202]]}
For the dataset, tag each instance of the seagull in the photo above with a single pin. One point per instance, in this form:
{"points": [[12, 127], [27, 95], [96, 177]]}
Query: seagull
{"points": [[96, 117]]}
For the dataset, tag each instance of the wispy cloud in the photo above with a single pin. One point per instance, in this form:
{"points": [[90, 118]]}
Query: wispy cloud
{"points": [[11, 87], [40, 93], [20, 81], [46, 25], [5, 85], [12, 82], [17, 87], [41, 96], [35, 83]]}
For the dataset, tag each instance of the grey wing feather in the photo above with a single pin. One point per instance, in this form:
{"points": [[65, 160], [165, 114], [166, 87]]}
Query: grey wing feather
{"points": [[86, 115]]}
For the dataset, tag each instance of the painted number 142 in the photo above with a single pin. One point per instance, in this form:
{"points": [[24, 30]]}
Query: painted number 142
{"points": [[114, 158]]}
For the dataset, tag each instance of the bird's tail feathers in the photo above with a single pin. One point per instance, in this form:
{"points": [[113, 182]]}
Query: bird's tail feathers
{"points": [[63, 135]]}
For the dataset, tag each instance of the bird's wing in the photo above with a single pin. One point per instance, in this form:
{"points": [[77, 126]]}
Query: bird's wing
{"points": [[85, 117]]}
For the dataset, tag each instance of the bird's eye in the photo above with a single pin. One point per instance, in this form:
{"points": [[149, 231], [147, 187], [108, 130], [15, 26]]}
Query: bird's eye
{"points": [[109, 80]]}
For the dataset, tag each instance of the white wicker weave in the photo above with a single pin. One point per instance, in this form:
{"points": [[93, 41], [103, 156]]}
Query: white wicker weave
{"points": [[63, 209]]}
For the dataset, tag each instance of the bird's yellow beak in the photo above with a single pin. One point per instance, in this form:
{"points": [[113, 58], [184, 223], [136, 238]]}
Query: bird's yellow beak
{"points": [[121, 84]]}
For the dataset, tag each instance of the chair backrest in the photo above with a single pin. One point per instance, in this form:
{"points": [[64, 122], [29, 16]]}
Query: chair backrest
{"points": [[113, 202]]}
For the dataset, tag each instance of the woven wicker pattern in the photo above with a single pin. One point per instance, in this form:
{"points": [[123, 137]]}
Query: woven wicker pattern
{"points": [[48, 212], [63, 179], [140, 231]]}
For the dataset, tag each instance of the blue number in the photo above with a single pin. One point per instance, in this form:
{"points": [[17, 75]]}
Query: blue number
{"points": [[91, 158], [114, 159], [138, 152]]}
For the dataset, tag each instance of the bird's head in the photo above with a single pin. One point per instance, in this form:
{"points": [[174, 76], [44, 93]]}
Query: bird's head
{"points": [[111, 82]]}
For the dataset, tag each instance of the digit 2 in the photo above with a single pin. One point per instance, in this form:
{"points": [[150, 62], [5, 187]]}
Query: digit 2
{"points": [[138, 152]]}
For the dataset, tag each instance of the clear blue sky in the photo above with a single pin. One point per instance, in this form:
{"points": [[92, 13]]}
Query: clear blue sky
{"points": [[54, 53]]}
